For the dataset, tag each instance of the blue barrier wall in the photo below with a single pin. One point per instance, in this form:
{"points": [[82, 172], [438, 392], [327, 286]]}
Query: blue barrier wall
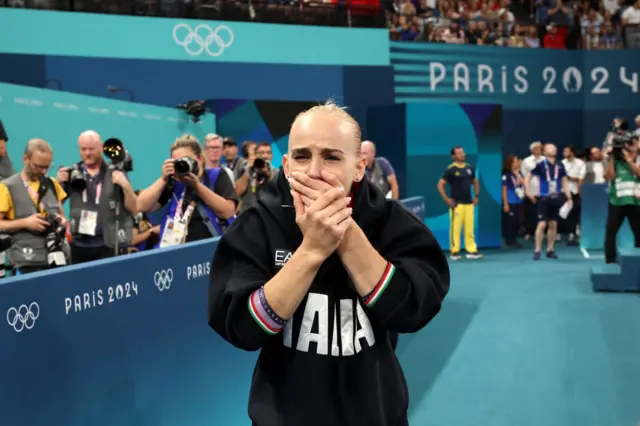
{"points": [[121, 342], [552, 95], [106, 344], [593, 219]]}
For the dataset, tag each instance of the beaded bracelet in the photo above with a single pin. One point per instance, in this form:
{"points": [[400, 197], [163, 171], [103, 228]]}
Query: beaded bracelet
{"points": [[263, 314], [265, 305]]}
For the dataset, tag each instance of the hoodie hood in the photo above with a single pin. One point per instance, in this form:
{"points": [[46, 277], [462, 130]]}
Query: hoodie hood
{"points": [[367, 202]]}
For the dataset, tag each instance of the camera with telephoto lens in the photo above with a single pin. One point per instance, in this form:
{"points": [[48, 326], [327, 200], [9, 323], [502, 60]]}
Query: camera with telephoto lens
{"points": [[77, 181], [114, 149], [54, 241], [260, 169], [185, 165], [620, 142]]}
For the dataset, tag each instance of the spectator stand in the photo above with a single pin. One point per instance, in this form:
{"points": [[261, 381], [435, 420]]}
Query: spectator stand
{"points": [[529, 24], [340, 13]]}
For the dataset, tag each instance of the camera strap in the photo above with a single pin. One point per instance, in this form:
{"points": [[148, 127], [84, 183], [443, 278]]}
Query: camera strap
{"points": [[36, 197], [186, 199], [209, 180]]}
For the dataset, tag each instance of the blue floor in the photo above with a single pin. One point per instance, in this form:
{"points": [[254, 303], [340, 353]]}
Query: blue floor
{"points": [[522, 342]]}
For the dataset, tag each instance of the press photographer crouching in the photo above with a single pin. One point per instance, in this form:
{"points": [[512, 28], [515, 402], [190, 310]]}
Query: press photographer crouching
{"points": [[201, 202], [31, 211], [101, 200], [622, 170], [258, 172]]}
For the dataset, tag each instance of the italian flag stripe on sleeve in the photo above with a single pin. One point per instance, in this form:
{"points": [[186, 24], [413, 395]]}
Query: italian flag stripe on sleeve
{"points": [[382, 285], [260, 316]]}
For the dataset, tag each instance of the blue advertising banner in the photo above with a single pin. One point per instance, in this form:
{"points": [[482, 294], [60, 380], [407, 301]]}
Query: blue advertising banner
{"points": [[146, 130], [108, 36], [593, 219], [516, 78], [106, 344]]}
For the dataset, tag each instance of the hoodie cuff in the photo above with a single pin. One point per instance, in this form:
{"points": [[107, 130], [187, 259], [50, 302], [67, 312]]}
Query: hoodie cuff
{"points": [[374, 296], [262, 313], [389, 293]]}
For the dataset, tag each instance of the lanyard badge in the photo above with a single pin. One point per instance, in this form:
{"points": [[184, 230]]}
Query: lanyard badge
{"points": [[98, 187], [555, 168]]}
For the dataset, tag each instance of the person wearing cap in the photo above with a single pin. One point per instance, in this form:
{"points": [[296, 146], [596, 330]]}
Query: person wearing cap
{"points": [[256, 176], [236, 163]]}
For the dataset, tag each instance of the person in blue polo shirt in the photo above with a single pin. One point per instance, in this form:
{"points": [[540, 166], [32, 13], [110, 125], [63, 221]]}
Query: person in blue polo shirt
{"points": [[553, 183], [512, 195]]}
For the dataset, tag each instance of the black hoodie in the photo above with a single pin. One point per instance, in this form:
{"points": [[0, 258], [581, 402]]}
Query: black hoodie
{"points": [[334, 363]]}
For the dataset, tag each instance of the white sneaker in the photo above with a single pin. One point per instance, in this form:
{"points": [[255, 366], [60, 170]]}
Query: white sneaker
{"points": [[455, 256], [476, 255]]}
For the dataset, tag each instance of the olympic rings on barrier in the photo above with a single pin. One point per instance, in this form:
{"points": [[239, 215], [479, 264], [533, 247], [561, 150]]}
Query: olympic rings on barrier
{"points": [[23, 317], [163, 279], [203, 39]]}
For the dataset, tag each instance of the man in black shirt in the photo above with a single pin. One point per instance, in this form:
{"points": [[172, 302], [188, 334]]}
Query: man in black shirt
{"points": [[461, 176], [200, 205]]}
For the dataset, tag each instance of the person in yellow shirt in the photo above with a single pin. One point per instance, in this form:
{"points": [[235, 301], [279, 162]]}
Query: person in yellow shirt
{"points": [[30, 207]]}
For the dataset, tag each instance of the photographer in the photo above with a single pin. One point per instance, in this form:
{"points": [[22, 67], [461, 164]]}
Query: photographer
{"points": [[93, 188], [232, 160], [256, 175], [202, 202], [31, 210], [623, 173]]}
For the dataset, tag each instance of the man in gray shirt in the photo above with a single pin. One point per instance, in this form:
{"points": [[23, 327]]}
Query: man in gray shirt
{"points": [[379, 171]]}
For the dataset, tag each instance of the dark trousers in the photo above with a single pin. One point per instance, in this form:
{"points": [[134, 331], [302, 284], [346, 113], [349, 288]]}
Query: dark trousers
{"points": [[511, 223], [89, 254], [572, 221], [530, 216], [615, 217]]}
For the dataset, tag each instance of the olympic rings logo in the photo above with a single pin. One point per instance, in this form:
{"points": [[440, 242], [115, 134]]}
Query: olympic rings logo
{"points": [[163, 279], [24, 317], [203, 39]]}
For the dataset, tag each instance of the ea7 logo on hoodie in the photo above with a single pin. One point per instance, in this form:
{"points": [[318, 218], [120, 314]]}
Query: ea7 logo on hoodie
{"points": [[281, 257]]}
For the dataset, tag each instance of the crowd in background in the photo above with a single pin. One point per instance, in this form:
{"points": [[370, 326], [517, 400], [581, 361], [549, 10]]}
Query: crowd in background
{"points": [[555, 24]]}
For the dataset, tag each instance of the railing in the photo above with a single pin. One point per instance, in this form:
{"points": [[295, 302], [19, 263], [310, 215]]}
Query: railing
{"points": [[342, 13]]}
